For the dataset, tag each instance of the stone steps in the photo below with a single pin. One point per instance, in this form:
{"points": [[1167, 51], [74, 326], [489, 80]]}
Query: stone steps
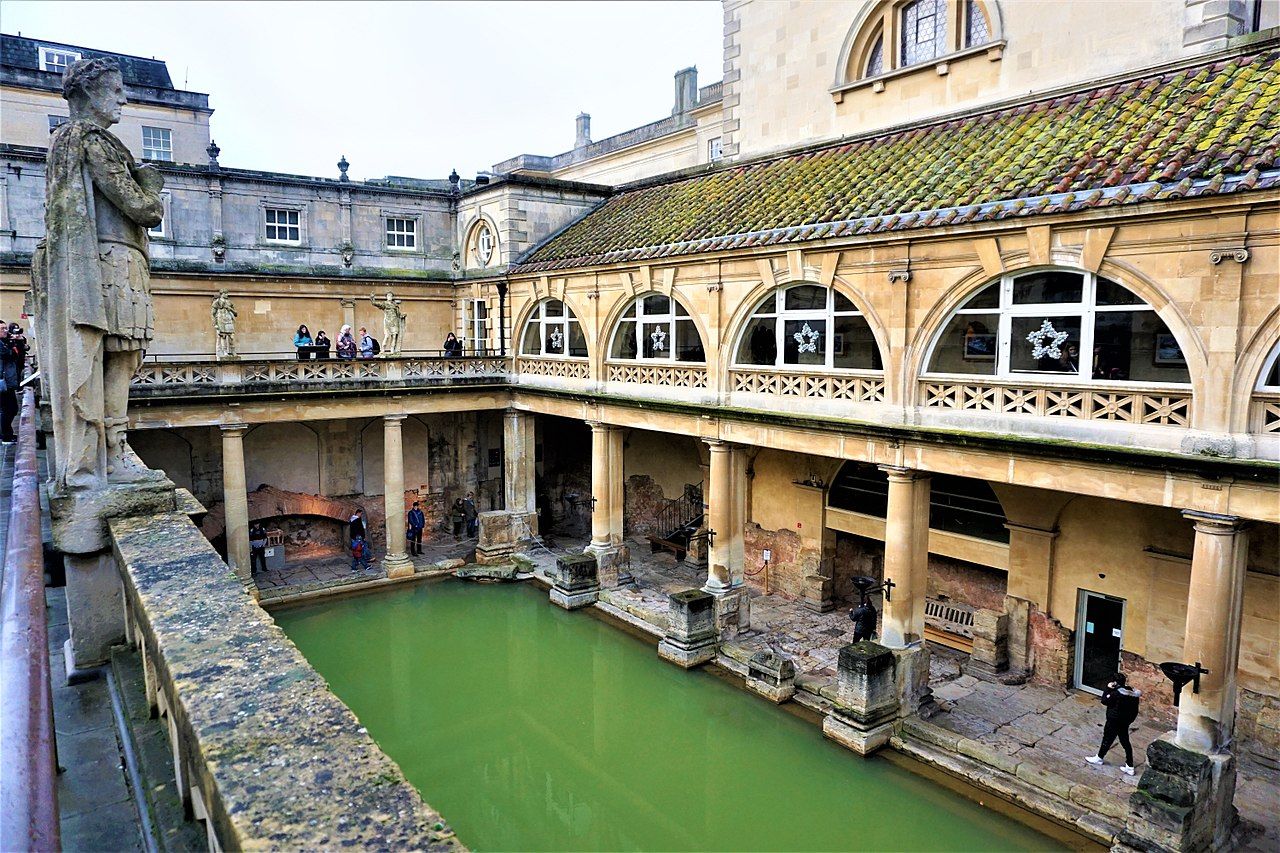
{"points": [[1082, 808]]}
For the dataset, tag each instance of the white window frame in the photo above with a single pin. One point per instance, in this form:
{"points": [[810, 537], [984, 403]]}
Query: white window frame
{"points": [[782, 315], [1267, 367], [484, 248], [715, 149], [636, 314], [475, 318], [160, 232], [1086, 309], [47, 53], [539, 317], [411, 234], [279, 208], [940, 44], [165, 135]]}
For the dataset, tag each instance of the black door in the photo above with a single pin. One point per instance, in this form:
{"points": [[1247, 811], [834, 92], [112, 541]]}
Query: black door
{"points": [[1098, 649]]}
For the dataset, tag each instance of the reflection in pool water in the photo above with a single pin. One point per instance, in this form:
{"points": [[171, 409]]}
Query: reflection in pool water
{"points": [[531, 728]]}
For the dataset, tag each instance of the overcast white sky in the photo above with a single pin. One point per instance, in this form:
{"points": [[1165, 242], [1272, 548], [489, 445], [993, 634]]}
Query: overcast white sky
{"points": [[401, 88]]}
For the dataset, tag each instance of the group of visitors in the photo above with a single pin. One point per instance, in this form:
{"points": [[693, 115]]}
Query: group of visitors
{"points": [[13, 361], [349, 346], [465, 518]]}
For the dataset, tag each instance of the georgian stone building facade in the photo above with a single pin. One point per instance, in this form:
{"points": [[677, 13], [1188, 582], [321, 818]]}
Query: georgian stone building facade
{"points": [[978, 297]]}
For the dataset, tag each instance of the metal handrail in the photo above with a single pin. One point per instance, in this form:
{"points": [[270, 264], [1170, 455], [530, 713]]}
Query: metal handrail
{"points": [[28, 786], [292, 355]]}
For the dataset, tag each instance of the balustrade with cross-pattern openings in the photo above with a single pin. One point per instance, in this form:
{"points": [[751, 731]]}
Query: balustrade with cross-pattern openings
{"points": [[1135, 406], [169, 376]]}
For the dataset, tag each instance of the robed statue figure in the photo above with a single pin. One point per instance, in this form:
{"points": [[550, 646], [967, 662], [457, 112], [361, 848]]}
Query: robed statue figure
{"points": [[91, 282]]}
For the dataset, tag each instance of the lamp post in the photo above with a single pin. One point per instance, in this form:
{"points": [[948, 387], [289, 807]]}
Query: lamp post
{"points": [[1182, 673]]}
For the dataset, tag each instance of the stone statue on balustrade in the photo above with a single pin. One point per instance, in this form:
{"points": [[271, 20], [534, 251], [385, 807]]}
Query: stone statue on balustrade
{"points": [[92, 282], [392, 323], [224, 326]]}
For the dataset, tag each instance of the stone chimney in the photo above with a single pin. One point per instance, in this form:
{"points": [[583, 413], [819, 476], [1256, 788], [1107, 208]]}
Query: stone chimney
{"points": [[686, 90], [582, 130]]}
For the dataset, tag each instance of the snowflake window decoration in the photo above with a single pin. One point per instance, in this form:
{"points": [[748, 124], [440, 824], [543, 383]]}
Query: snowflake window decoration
{"points": [[557, 338], [1046, 341], [807, 338], [659, 340]]}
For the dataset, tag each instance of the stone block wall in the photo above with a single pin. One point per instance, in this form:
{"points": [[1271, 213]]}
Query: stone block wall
{"points": [[965, 583], [1052, 651], [644, 501], [791, 562]]}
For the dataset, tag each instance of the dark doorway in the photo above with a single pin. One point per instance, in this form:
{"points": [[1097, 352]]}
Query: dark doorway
{"points": [[563, 465], [1099, 633]]}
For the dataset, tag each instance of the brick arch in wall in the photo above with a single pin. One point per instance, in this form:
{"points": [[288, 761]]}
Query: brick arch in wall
{"points": [[1255, 357], [271, 502]]}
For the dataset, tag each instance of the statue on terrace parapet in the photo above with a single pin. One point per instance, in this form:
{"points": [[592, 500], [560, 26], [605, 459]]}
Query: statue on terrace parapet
{"points": [[224, 325], [392, 323], [92, 282]]}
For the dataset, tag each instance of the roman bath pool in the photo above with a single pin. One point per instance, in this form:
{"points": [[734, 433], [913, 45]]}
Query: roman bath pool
{"points": [[531, 728]]}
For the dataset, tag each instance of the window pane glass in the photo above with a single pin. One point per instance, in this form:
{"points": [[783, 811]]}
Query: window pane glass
{"points": [[806, 297], [769, 305], [688, 344], [656, 340], [1273, 376], [853, 344], [624, 342], [967, 345], [553, 339], [657, 304], [1136, 345], [759, 345], [680, 312], [1110, 293], [860, 488], [553, 308], [843, 303], [529, 346], [988, 297], [577, 341], [804, 342], [1045, 345], [966, 506], [1048, 287]]}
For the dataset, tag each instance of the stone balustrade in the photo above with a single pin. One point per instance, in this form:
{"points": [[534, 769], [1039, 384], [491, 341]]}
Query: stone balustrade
{"points": [[1134, 405], [844, 386], [164, 378], [666, 375], [556, 368], [254, 729]]}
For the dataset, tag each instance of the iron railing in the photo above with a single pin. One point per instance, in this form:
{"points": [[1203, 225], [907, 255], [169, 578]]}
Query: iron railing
{"points": [[677, 521], [28, 785]]}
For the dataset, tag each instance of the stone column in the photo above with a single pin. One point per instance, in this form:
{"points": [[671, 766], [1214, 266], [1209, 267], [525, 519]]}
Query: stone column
{"points": [[397, 562], [1214, 603], [1030, 587], [720, 518], [607, 511], [348, 318], [906, 556], [518, 461], [235, 502]]}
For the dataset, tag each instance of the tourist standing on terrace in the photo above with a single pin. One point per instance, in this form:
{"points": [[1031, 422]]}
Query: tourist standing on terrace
{"points": [[302, 338], [472, 515], [458, 518], [322, 344], [368, 346], [13, 355], [415, 521], [346, 343], [1122, 710], [257, 548], [452, 346]]}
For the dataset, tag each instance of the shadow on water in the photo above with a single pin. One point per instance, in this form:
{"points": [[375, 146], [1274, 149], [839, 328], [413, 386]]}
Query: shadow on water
{"points": [[531, 728]]}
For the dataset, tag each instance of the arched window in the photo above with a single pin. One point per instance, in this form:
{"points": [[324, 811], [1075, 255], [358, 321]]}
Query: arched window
{"points": [[481, 245], [808, 325], [893, 35], [1269, 380], [553, 329], [1064, 324], [657, 328], [956, 504]]}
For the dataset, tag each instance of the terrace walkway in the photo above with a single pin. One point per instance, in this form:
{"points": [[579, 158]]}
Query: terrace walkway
{"points": [[1026, 741], [318, 573]]}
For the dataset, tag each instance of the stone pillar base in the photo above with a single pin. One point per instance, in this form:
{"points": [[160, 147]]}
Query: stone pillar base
{"points": [[772, 676], [863, 740], [686, 655], [501, 534], [913, 680], [732, 610], [95, 610], [1183, 801], [613, 563], [819, 591], [692, 636], [574, 600], [398, 566], [576, 582]]}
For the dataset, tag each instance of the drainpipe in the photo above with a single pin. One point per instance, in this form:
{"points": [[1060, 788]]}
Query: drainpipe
{"points": [[502, 316]]}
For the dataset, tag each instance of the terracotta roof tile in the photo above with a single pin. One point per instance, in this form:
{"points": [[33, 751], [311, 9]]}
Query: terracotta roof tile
{"points": [[1207, 129]]}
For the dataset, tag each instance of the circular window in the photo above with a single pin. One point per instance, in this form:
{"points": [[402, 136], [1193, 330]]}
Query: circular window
{"points": [[484, 244]]}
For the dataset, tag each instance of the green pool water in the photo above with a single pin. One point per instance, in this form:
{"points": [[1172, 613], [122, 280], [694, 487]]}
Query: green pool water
{"points": [[531, 728]]}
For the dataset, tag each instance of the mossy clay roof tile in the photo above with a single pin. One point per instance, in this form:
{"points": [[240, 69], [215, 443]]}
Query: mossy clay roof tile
{"points": [[1207, 129]]}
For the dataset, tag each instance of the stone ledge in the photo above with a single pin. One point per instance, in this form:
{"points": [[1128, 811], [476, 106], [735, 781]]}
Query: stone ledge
{"points": [[260, 727]]}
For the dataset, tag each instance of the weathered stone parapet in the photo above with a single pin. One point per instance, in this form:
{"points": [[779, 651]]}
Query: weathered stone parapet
{"points": [[254, 729], [692, 635], [576, 581], [1183, 801], [867, 703]]}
